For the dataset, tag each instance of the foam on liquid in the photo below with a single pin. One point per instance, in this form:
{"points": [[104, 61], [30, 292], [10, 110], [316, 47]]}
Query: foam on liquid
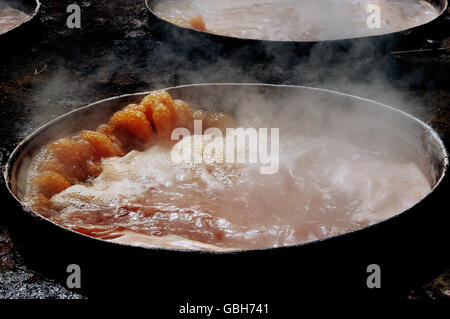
{"points": [[324, 187]]}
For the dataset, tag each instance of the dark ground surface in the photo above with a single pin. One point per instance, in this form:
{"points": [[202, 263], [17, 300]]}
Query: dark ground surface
{"points": [[117, 51]]}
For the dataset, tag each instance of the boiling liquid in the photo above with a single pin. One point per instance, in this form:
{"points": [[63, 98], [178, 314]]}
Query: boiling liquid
{"points": [[298, 20], [324, 187]]}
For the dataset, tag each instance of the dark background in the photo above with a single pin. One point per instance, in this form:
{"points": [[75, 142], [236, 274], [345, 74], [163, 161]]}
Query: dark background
{"points": [[118, 50]]}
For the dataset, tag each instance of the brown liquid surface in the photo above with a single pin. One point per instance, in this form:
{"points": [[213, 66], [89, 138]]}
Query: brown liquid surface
{"points": [[324, 187], [11, 18]]}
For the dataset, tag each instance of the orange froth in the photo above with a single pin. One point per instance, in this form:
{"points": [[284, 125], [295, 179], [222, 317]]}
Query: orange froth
{"points": [[75, 160]]}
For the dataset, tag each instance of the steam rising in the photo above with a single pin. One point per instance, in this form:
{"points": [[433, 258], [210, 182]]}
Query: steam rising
{"points": [[360, 70], [340, 170]]}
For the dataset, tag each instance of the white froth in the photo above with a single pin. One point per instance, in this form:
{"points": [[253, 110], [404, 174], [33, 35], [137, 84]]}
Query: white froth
{"points": [[324, 187]]}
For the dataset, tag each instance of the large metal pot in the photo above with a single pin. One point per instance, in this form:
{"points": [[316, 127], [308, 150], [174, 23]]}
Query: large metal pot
{"points": [[406, 246]]}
